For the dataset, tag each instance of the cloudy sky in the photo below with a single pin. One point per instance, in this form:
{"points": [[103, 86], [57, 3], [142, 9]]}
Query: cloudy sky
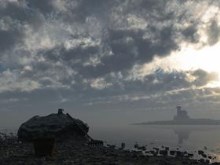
{"points": [[104, 60]]}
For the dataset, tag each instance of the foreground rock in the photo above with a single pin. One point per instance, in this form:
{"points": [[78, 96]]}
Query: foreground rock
{"points": [[59, 126]]}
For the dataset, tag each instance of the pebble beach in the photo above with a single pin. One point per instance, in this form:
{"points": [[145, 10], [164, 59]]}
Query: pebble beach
{"points": [[73, 152]]}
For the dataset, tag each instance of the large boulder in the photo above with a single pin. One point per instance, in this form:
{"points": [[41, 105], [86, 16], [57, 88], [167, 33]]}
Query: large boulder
{"points": [[58, 126]]}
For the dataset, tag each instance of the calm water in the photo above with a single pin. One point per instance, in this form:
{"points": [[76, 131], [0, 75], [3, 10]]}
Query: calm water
{"points": [[191, 138]]}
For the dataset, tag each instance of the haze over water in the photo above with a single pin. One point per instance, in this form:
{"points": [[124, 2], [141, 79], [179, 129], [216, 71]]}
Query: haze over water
{"points": [[112, 63]]}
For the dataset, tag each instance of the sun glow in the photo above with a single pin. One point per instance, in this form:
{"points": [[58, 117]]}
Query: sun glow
{"points": [[207, 58], [189, 58]]}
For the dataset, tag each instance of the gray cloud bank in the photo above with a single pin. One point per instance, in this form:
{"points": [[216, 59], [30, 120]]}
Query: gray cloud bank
{"points": [[85, 51]]}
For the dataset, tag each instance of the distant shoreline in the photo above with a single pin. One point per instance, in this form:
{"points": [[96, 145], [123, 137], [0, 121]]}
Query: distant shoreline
{"points": [[182, 122]]}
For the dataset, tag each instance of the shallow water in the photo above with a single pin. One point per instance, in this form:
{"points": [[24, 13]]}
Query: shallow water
{"points": [[190, 138]]}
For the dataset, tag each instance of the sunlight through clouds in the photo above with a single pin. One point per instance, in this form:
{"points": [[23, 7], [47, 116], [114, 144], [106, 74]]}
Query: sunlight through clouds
{"points": [[187, 59], [86, 49]]}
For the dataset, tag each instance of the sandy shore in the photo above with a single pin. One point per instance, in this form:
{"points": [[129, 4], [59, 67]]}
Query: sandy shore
{"points": [[76, 153]]}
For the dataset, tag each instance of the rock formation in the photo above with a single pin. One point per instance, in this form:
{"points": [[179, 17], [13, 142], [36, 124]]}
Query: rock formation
{"points": [[59, 126]]}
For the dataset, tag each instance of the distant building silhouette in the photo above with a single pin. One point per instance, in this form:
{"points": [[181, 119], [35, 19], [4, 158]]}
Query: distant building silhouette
{"points": [[180, 114], [60, 111], [182, 118]]}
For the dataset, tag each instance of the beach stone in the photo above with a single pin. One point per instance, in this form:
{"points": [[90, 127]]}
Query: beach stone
{"points": [[56, 125], [163, 152]]}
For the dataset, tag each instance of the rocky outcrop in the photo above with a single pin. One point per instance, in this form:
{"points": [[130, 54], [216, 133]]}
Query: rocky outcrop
{"points": [[59, 126]]}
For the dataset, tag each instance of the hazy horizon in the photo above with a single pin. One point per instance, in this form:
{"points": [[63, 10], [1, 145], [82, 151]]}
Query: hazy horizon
{"points": [[109, 62]]}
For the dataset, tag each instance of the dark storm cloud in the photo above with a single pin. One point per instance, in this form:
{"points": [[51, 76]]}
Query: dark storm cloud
{"points": [[71, 55], [125, 54], [19, 12], [8, 39], [97, 8], [41, 5], [139, 50], [14, 16], [122, 45], [16, 11], [203, 77], [125, 48], [190, 34], [90, 47]]}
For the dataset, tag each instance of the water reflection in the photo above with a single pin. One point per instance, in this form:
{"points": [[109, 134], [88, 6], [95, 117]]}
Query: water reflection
{"points": [[182, 134]]}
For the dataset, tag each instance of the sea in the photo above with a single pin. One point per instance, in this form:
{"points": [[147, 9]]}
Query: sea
{"points": [[190, 138]]}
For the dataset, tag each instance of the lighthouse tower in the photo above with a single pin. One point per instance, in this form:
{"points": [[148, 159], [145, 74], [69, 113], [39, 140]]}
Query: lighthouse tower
{"points": [[180, 114]]}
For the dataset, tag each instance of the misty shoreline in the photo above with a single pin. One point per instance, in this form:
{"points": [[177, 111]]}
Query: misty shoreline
{"points": [[59, 139], [71, 152]]}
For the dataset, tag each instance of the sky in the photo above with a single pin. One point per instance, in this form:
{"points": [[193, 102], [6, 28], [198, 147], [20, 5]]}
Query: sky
{"points": [[109, 61]]}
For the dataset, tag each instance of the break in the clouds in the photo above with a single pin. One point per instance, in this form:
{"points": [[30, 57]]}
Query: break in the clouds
{"points": [[108, 52]]}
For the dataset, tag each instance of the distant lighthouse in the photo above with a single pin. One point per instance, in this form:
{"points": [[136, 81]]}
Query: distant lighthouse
{"points": [[180, 114]]}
